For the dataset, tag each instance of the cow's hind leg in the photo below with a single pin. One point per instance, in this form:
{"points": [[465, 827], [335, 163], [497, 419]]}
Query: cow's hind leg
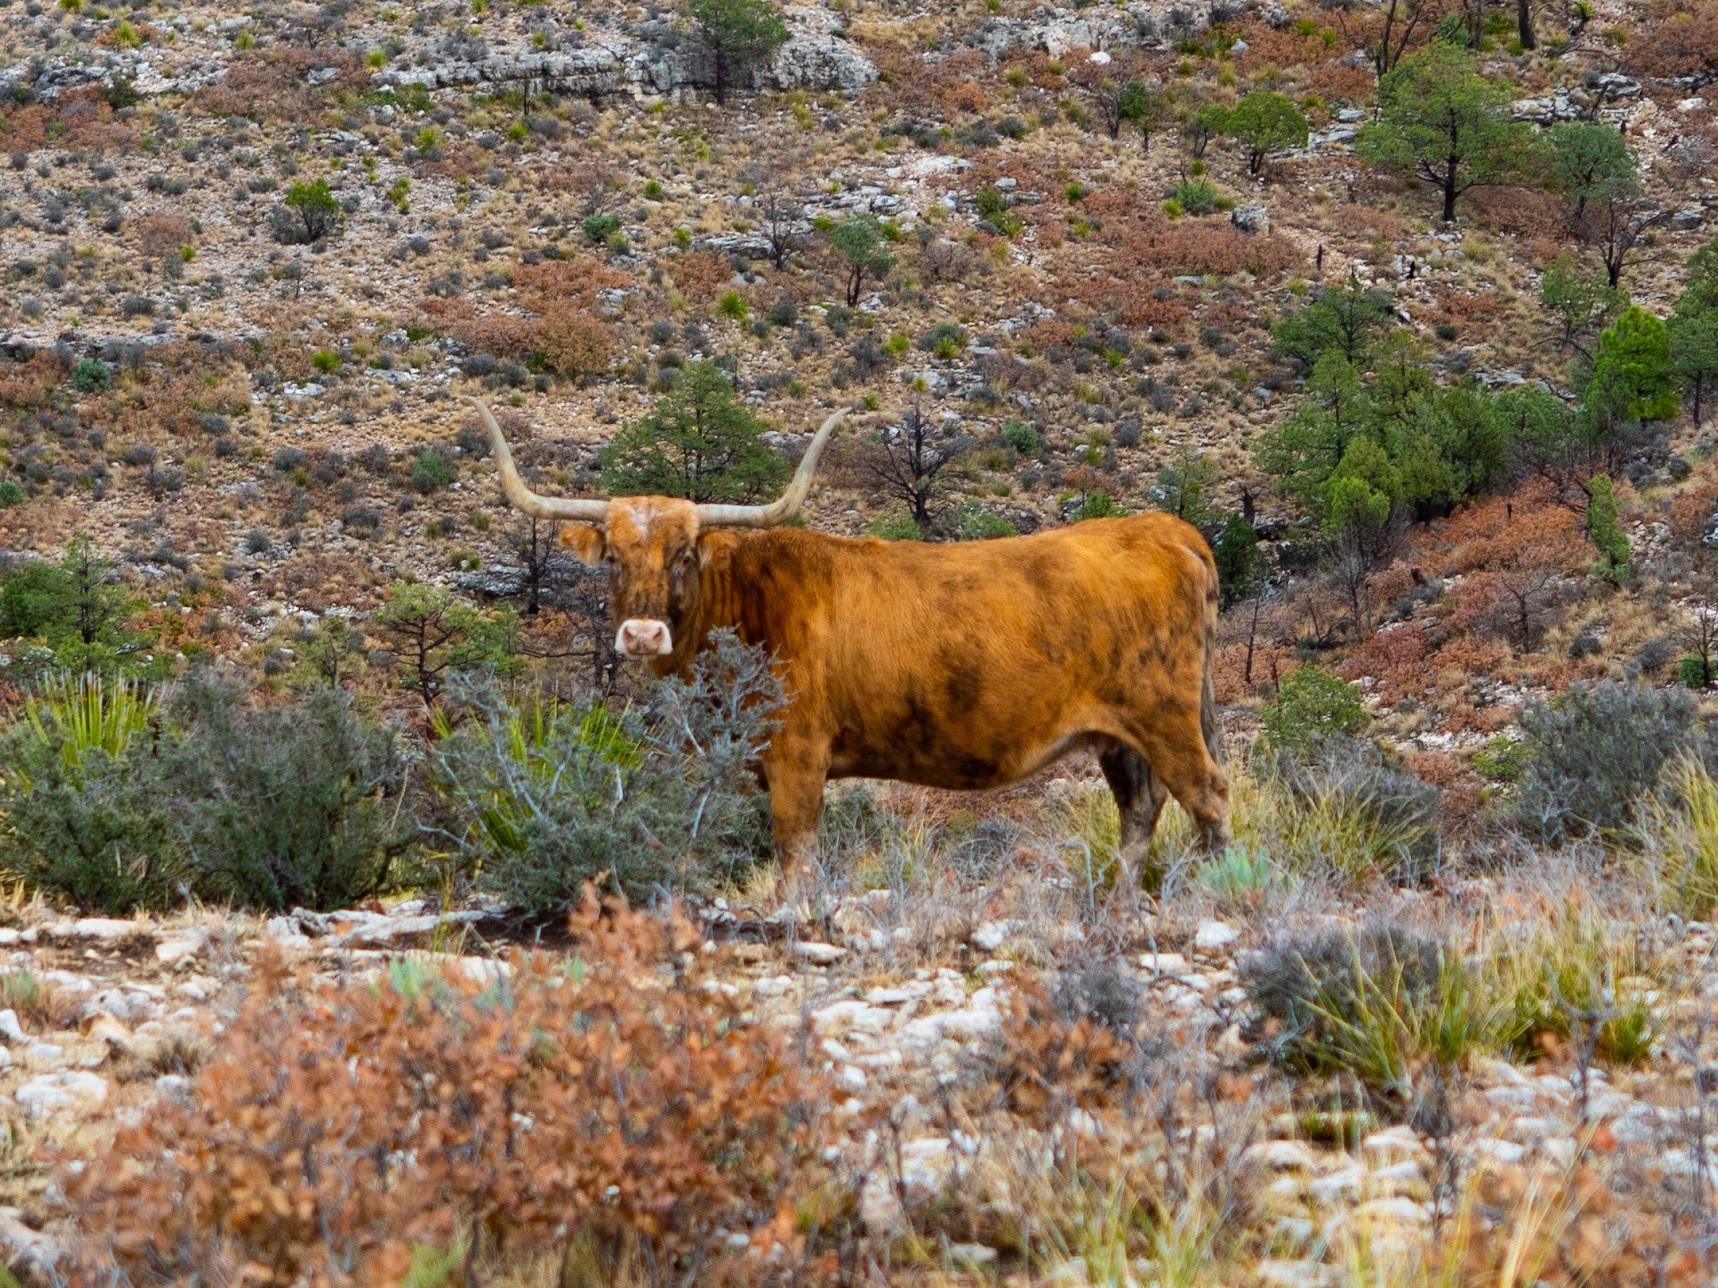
{"points": [[1175, 746], [1139, 797]]}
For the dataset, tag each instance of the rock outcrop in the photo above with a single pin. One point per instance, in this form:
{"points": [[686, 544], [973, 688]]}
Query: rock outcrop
{"points": [[656, 60]]}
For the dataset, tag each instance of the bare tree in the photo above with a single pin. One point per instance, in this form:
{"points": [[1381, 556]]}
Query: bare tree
{"points": [[780, 223], [1617, 224], [909, 461], [1699, 635]]}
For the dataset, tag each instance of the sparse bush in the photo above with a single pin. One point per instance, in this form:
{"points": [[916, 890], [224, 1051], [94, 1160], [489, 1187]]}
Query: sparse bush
{"points": [[1312, 709], [1590, 755], [547, 794], [399, 1121], [432, 471], [1377, 1003]]}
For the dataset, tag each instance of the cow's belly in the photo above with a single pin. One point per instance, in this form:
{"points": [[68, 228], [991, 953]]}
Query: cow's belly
{"points": [[954, 765]]}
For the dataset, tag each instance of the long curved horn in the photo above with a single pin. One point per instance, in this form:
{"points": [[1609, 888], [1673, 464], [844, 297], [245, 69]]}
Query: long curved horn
{"points": [[523, 498], [787, 504]]}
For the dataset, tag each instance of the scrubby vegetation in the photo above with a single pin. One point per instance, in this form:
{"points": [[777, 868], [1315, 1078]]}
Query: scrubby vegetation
{"points": [[1411, 309]]}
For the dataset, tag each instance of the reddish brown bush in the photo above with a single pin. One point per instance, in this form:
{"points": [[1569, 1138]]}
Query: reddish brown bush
{"points": [[561, 327], [617, 1101], [163, 233], [1680, 40], [25, 385]]}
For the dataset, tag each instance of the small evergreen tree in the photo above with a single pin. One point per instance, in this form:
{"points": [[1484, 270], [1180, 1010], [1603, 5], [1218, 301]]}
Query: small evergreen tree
{"points": [[1313, 709], [737, 33], [860, 244], [1442, 120], [1606, 533], [1145, 108], [1240, 566], [1692, 328], [697, 442], [314, 213], [1264, 122]]}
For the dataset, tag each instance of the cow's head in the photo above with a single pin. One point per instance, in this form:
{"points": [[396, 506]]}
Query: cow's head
{"points": [[654, 546]]}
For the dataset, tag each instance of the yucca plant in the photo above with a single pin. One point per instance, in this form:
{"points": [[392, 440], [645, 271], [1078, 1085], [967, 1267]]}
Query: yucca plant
{"points": [[80, 714], [1678, 836]]}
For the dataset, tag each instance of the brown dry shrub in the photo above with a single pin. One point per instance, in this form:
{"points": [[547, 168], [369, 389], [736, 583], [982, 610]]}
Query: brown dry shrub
{"points": [[25, 385], [1336, 83], [619, 1101], [1146, 248], [1395, 659], [1690, 510], [316, 582], [272, 85], [163, 233], [1680, 40], [79, 119], [562, 325], [699, 273], [1049, 1062]]}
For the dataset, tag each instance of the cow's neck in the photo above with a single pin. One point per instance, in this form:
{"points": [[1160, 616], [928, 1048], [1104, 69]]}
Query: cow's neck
{"points": [[752, 584]]}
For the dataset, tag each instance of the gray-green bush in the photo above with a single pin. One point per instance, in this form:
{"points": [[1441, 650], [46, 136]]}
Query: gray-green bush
{"points": [[1589, 756], [543, 795], [117, 799]]}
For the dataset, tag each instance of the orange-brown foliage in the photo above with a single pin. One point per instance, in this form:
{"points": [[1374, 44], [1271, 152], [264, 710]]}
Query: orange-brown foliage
{"points": [[699, 273], [1335, 82], [562, 325], [163, 233], [273, 85], [25, 385], [629, 1104], [1681, 40], [1395, 659], [79, 119]]}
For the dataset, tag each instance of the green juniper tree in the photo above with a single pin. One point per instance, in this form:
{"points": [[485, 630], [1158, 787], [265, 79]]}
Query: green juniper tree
{"points": [[697, 442], [737, 33], [1442, 120]]}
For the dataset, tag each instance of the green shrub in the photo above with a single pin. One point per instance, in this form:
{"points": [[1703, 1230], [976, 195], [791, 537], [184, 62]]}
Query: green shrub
{"points": [[1023, 438], [899, 526], [263, 808], [10, 494], [972, 522], [91, 375], [309, 214], [1692, 670], [1592, 754], [277, 807], [1098, 505], [326, 361], [1312, 708], [1377, 1003], [545, 795], [1195, 197], [78, 818], [1353, 813], [432, 471], [599, 228], [995, 209]]}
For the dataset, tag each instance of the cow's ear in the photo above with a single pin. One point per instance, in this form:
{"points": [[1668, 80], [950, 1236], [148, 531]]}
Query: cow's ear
{"points": [[713, 546], [587, 543]]}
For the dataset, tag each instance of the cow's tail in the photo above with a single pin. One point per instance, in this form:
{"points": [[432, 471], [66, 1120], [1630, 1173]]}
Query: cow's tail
{"points": [[1208, 690]]}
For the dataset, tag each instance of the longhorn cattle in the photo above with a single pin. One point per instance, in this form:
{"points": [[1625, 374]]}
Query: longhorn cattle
{"points": [[956, 666]]}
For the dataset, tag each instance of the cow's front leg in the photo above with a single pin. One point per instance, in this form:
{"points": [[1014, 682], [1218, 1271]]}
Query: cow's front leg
{"points": [[796, 770]]}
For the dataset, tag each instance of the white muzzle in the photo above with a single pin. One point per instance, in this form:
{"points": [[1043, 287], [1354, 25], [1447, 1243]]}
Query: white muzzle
{"points": [[642, 637]]}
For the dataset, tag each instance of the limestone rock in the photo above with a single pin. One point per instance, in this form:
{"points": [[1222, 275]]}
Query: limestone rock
{"points": [[48, 1094]]}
